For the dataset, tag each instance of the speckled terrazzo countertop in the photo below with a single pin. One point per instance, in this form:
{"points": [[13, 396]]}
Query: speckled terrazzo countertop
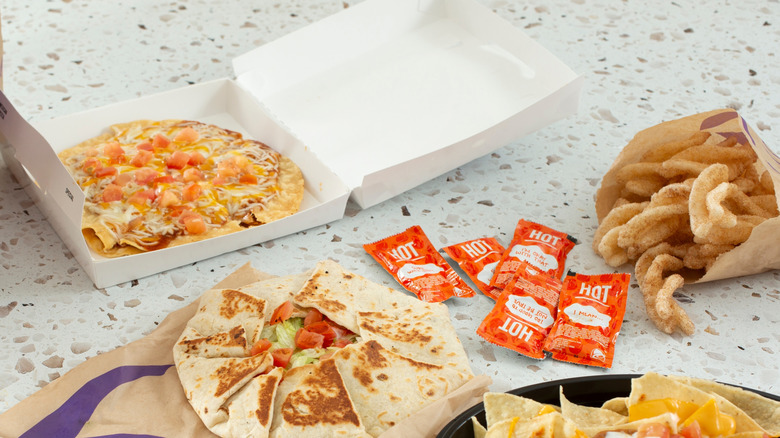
{"points": [[643, 63]]}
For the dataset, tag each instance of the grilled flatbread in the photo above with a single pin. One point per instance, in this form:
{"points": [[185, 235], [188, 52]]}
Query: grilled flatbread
{"points": [[342, 295], [387, 387], [313, 402], [155, 184], [405, 355], [416, 331], [210, 382]]}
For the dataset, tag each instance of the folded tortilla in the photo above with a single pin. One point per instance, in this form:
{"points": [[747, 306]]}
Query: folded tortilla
{"points": [[408, 355]]}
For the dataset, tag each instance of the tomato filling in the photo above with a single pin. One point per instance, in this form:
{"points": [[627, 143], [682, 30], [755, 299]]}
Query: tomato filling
{"points": [[300, 340]]}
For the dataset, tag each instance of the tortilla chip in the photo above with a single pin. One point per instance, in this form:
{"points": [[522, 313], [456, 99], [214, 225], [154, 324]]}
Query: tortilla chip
{"points": [[618, 405], [764, 411], [652, 386], [479, 429], [551, 425], [500, 406], [590, 419]]}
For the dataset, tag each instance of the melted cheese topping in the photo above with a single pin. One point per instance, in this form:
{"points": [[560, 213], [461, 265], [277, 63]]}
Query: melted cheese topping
{"points": [[148, 200]]}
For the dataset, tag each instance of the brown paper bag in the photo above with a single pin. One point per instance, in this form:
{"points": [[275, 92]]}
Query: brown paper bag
{"points": [[135, 390], [761, 252]]}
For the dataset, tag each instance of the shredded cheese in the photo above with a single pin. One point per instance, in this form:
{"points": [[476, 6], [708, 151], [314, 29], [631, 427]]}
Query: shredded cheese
{"points": [[235, 176]]}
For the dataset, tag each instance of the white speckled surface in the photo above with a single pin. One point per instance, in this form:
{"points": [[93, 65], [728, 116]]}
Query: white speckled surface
{"points": [[643, 63]]}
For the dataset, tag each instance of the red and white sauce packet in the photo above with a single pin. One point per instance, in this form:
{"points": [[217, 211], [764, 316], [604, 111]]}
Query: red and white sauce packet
{"points": [[590, 314], [478, 259], [416, 264], [524, 313], [542, 247]]}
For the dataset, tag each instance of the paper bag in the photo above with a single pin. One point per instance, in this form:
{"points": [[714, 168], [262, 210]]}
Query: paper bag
{"points": [[761, 252], [135, 391]]}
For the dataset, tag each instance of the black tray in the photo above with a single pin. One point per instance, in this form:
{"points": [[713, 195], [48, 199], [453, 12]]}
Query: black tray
{"points": [[588, 391]]}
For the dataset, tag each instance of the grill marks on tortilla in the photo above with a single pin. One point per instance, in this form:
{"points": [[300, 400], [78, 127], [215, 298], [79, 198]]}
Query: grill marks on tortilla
{"points": [[236, 302], [372, 357], [312, 290], [236, 337], [264, 397], [234, 371], [396, 328], [323, 398], [364, 388]]}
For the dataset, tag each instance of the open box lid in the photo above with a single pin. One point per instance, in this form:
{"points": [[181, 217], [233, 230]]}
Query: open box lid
{"points": [[369, 102], [392, 93]]}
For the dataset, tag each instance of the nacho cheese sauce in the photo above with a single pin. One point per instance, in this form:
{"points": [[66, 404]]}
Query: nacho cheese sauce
{"points": [[148, 184]]}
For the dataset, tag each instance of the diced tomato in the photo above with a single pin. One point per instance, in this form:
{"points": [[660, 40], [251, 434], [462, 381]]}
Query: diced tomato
{"points": [[168, 199], [192, 192], [227, 168], [142, 158], [196, 159], [163, 179], [324, 329], [307, 339], [105, 171], [193, 223], [341, 332], [313, 316], [145, 146], [177, 210], [192, 174], [91, 165], [124, 178], [654, 430], [692, 430], [260, 346], [282, 312], [242, 162], [219, 181], [112, 192], [177, 160], [282, 356], [114, 151], [145, 175], [326, 355], [187, 135], [341, 342], [140, 197], [247, 178], [160, 141]]}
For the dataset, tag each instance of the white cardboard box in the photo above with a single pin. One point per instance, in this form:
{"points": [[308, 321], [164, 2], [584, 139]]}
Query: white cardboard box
{"points": [[369, 102]]}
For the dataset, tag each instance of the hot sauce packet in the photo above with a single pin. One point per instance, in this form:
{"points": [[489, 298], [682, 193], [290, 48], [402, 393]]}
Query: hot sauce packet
{"points": [[416, 264], [590, 314], [478, 259], [523, 313], [544, 248]]}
